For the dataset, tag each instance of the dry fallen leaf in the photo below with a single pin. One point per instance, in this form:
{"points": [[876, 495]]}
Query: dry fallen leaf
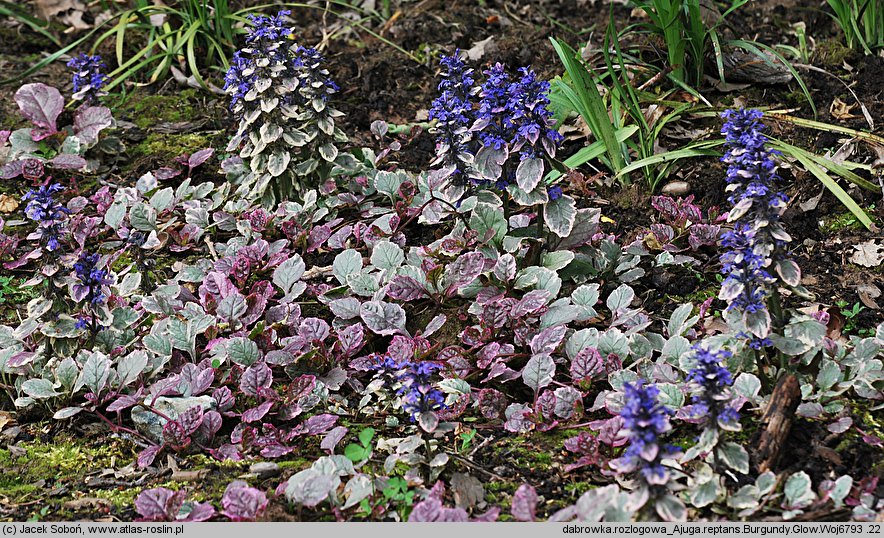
{"points": [[841, 110], [8, 204], [868, 254], [867, 294]]}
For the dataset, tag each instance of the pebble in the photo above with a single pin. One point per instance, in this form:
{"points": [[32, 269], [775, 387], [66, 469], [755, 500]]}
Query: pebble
{"points": [[676, 188], [264, 469]]}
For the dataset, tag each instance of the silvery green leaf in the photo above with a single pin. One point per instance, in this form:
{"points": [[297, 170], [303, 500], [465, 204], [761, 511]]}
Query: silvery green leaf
{"points": [[66, 373], [828, 375], [559, 215], [270, 132], [197, 216], [559, 314], [261, 85], [766, 482], [387, 255], [670, 508], [158, 343], [146, 183], [758, 322], [183, 336], [38, 306], [798, 491], [705, 493], [539, 371], [670, 395], [453, 385], [613, 341], [528, 198], [243, 351], [485, 218], [675, 348], [557, 260], [326, 125], [66, 412], [840, 490], [39, 389], [358, 488], [162, 199], [681, 320], [789, 272], [383, 318], [734, 456], [267, 105], [232, 308], [289, 273], [328, 152], [529, 173], [115, 214], [124, 317], [619, 378], [278, 162], [346, 308], [129, 284], [347, 263], [620, 298], [505, 268], [310, 487], [363, 284], [586, 297], [143, 217], [809, 410], [388, 182], [131, 366], [748, 386], [95, 373], [294, 138], [580, 340]]}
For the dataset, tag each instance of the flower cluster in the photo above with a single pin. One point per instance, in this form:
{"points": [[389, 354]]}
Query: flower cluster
{"points": [[758, 238], [279, 93], [418, 392], [48, 213], [712, 379], [645, 420], [511, 116], [88, 78], [90, 288], [453, 113]]}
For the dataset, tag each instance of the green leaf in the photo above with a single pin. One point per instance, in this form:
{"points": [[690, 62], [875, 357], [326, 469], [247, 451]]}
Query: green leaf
{"points": [[529, 173], [734, 456], [798, 490], [243, 351], [387, 255], [347, 263], [559, 215], [39, 389], [365, 436]]}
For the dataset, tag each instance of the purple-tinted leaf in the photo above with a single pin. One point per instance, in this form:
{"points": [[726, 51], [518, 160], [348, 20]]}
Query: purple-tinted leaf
{"points": [[704, 235], [332, 438], [312, 329], [41, 104], [517, 420], [382, 317], [317, 236], [210, 425], [427, 510], [586, 365], [226, 452], [257, 413], [146, 456], [351, 339], [257, 377], [547, 340], [320, 423], [841, 425], [4, 136], [492, 403], [89, 121], [525, 503], [196, 512], [276, 450], [337, 239], [405, 288], [546, 404], [191, 419], [301, 386], [463, 271], [539, 371], [531, 302], [608, 430], [159, 504], [68, 161], [568, 401], [123, 402], [199, 157], [165, 173], [20, 359], [175, 435], [224, 398], [243, 503], [12, 170]]}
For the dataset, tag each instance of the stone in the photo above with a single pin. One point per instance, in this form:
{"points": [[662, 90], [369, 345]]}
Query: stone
{"points": [[264, 469], [676, 188], [151, 424]]}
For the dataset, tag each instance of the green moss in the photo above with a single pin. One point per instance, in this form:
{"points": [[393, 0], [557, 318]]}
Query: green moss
{"points": [[121, 499], [166, 147], [296, 464], [149, 110], [839, 222], [830, 52]]}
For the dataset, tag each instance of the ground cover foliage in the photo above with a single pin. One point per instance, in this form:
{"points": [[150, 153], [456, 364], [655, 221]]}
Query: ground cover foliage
{"points": [[297, 322]]}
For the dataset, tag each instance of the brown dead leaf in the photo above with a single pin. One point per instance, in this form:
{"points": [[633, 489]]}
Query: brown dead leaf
{"points": [[190, 476], [868, 254], [867, 295], [84, 503], [68, 12], [8, 204], [841, 110]]}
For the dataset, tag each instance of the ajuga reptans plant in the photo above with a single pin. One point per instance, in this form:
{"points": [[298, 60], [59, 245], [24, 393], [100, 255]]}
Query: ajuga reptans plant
{"points": [[757, 244], [88, 78], [280, 95]]}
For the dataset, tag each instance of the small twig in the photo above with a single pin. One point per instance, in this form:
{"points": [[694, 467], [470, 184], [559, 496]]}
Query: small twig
{"points": [[468, 463]]}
